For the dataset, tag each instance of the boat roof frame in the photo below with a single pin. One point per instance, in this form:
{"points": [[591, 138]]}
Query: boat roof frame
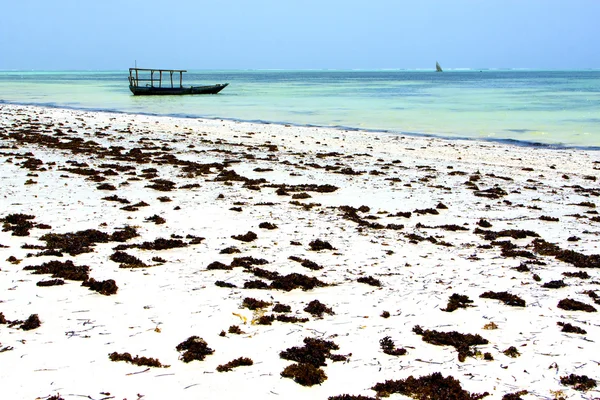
{"points": [[157, 70]]}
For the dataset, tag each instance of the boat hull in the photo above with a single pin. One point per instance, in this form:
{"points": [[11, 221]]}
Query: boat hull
{"points": [[168, 91]]}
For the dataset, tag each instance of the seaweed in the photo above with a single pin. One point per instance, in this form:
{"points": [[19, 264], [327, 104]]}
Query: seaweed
{"points": [[106, 287], [505, 297], [514, 396], [574, 305], [294, 281], [235, 330], [314, 352], [306, 263], [512, 352], [317, 309], [217, 265], [75, 243], [264, 320], [290, 319], [318, 244], [457, 301], [255, 284], [281, 308], [385, 314], [247, 237], [253, 304], [157, 244], [59, 269], [461, 342], [230, 250], [511, 233], [369, 280], [247, 262], [140, 361], [578, 274], [127, 260], [350, 397], [577, 259], [238, 362], [388, 347], [548, 218], [19, 224], [225, 284], [555, 284], [579, 382], [484, 223], [157, 219], [568, 328], [32, 322], [52, 282], [267, 225], [304, 374], [194, 348], [431, 387]]}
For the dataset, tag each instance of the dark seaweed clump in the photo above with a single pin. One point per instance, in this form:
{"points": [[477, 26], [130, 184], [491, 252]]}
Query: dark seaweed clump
{"points": [[267, 225], [238, 362], [59, 269], [19, 224], [127, 260], [306, 263], [461, 342], [290, 319], [157, 244], [315, 352], [457, 301], [106, 287], [281, 308], [317, 309], [82, 241], [304, 374], [579, 382], [369, 280], [51, 282], [350, 397], [512, 352], [431, 387], [514, 396], [318, 244], [569, 256], [578, 274], [141, 361], [225, 284], [235, 330], [294, 281], [247, 237], [555, 284], [568, 328], [388, 347], [505, 297], [33, 322], [253, 304], [574, 305], [194, 348]]}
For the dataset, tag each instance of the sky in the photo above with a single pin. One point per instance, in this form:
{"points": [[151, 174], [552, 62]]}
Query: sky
{"points": [[298, 34]]}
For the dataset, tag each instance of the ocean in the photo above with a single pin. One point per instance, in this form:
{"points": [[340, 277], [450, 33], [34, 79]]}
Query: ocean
{"points": [[550, 108]]}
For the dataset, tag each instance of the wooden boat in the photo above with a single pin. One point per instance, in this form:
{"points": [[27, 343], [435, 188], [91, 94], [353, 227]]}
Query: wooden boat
{"points": [[156, 87], [438, 68]]}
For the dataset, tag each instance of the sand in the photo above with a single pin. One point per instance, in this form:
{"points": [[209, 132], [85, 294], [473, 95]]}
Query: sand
{"points": [[418, 217]]}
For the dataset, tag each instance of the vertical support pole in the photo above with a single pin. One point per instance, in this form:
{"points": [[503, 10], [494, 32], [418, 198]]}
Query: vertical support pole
{"points": [[152, 78], [171, 79], [180, 79], [137, 78], [160, 82]]}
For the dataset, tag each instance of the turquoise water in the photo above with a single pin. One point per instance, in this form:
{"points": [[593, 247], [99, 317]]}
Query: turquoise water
{"points": [[548, 107]]}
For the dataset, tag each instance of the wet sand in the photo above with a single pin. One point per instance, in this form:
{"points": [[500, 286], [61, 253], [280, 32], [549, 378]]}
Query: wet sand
{"points": [[182, 222]]}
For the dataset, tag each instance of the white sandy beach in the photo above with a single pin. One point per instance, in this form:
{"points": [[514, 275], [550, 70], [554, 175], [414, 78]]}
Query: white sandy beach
{"points": [[419, 265]]}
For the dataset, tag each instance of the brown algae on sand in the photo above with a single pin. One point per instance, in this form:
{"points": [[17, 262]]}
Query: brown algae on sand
{"points": [[194, 348]]}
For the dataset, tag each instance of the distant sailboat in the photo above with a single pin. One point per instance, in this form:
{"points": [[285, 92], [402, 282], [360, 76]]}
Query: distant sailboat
{"points": [[438, 68]]}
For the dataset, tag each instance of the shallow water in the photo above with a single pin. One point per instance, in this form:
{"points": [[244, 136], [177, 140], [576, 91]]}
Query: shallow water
{"points": [[547, 107]]}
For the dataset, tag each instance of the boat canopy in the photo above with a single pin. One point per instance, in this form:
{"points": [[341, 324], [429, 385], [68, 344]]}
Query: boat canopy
{"points": [[134, 76]]}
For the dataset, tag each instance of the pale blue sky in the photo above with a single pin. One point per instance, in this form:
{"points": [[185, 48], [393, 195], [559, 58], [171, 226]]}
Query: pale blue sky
{"points": [[299, 34]]}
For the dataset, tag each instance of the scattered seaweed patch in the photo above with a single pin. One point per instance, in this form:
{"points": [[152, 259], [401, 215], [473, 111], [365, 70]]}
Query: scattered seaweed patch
{"points": [[140, 361], [238, 362], [577, 259], [579, 382], [194, 348], [157, 219], [306, 263], [369, 280], [388, 347], [230, 250], [511, 352], [290, 319], [253, 304], [247, 237], [578, 274], [385, 314], [505, 297], [457, 301], [106, 287], [304, 374], [51, 282], [76, 243], [461, 342], [568, 328], [116, 199], [555, 284], [515, 396], [574, 305], [314, 352], [225, 284], [350, 397], [431, 387], [281, 308], [317, 309], [32, 322], [157, 244], [217, 265], [58, 269], [235, 330], [294, 280], [267, 225], [318, 244], [127, 260]]}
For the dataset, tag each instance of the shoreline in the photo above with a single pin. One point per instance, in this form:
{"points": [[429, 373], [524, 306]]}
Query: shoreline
{"points": [[507, 141], [409, 212]]}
